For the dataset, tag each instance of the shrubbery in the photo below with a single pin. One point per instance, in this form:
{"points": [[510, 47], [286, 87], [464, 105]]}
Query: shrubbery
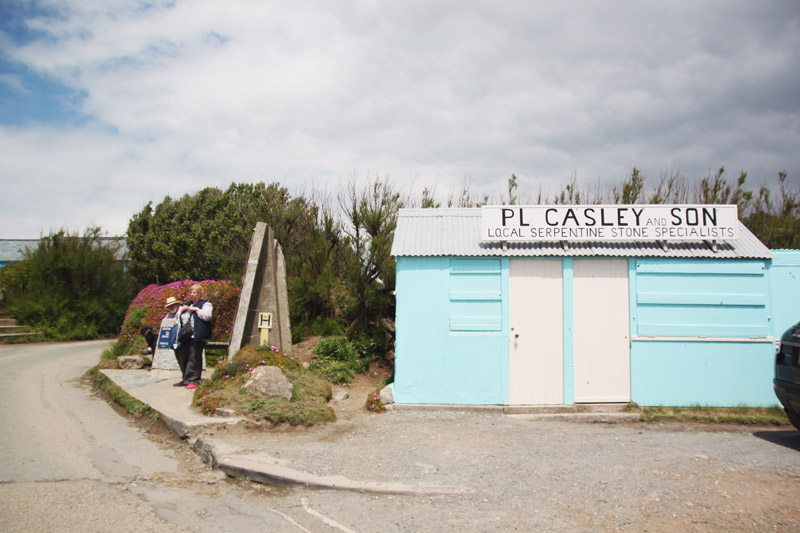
{"points": [[340, 359], [70, 287]]}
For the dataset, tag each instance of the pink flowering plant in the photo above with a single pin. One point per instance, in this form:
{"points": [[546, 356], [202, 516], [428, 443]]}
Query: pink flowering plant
{"points": [[374, 403], [147, 309]]}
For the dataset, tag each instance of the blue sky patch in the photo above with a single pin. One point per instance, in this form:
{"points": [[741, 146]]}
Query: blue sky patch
{"points": [[27, 97]]}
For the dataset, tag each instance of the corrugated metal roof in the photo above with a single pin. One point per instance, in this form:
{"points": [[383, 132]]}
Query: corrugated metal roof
{"points": [[11, 249], [456, 232]]}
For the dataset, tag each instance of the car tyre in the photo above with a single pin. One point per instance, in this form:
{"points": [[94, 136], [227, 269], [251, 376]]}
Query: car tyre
{"points": [[793, 417]]}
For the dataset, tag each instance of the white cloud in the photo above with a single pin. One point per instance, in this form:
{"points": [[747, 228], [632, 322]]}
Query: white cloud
{"points": [[189, 94]]}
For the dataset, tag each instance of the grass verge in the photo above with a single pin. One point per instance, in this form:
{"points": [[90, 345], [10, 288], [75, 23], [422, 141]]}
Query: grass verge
{"points": [[741, 415], [131, 405], [225, 389]]}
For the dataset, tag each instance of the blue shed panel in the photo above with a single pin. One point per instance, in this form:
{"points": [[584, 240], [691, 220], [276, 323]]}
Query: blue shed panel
{"points": [[701, 298], [722, 374], [784, 279], [452, 323]]}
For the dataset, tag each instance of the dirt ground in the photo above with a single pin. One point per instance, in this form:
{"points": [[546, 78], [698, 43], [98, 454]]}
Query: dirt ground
{"points": [[632, 476], [361, 386]]}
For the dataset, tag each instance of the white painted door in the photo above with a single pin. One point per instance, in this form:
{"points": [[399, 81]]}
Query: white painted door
{"points": [[601, 357], [535, 317]]}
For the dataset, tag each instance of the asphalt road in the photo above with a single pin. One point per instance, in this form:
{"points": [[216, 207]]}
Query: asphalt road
{"points": [[69, 462]]}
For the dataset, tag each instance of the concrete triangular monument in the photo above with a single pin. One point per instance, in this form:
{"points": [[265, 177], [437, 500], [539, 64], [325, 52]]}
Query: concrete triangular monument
{"points": [[262, 316]]}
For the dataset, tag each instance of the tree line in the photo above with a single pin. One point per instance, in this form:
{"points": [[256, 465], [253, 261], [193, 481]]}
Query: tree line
{"points": [[340, 274]]}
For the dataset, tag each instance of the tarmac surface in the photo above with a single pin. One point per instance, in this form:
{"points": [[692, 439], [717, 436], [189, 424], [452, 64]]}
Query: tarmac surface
{"points": [[240, 453]]}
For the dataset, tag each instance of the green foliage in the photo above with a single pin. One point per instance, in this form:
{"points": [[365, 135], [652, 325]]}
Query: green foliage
{"points": [[310, 393], [326, 327], [207, 235], [371, 215], [131, 405], [340, 359], [14, 280], [773, 218], [512, 188], [373, 402], [250, 357], [307, 407], [336, 349], [716, 415], [632, 188], [215, 355], [129, 340], [776, 221], [69, 287], [108, 358], [428, 201]]}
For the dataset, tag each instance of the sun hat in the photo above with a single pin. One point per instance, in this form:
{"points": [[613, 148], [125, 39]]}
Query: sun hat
{"points": [[171, 301]]}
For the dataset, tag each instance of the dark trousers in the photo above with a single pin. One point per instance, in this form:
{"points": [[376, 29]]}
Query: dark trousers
{"points": [[190, 359]]}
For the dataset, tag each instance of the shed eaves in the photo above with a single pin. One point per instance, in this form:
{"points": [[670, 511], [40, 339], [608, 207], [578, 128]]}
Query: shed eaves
{"points": [[456, 232]]}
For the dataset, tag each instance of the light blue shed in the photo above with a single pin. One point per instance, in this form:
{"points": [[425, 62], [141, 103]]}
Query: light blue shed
{"points": [[657, 323]]}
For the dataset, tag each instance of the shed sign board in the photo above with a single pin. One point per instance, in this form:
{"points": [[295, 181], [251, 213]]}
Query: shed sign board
{"points": [[685, 222]]}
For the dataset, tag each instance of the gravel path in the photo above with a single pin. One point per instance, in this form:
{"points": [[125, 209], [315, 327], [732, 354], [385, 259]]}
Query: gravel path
{"points": [[525, 475]]}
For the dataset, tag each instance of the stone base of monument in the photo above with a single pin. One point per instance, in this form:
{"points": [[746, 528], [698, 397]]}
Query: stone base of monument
{"points": [[164, 359]]}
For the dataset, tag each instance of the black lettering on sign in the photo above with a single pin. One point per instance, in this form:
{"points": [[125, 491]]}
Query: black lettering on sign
{"points": [[676, 216], [709, 215], [589, 214], [570, 215], [692, 217]]}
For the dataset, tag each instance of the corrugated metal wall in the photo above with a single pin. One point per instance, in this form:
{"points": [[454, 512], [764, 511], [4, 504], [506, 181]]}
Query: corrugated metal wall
{"points": [[703, 333], [700, 331], [784, 279], [702, 298], [452, 331]]}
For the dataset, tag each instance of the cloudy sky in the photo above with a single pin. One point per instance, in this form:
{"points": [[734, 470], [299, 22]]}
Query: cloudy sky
{"points": [[108, 104]]}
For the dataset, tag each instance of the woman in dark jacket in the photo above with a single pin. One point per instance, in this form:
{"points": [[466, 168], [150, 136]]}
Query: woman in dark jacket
{"points": [[197, 312]]}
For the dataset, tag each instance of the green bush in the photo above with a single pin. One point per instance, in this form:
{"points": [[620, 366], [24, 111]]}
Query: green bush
{"points": [[340, 359], [69, 287], [326, 327], [336, 348]]}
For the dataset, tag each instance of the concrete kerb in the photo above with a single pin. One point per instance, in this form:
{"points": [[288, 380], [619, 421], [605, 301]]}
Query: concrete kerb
{"points": [[265, 468]]}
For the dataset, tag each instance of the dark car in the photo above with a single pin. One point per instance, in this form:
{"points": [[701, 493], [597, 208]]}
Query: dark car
{"points": [[787, 374]]}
